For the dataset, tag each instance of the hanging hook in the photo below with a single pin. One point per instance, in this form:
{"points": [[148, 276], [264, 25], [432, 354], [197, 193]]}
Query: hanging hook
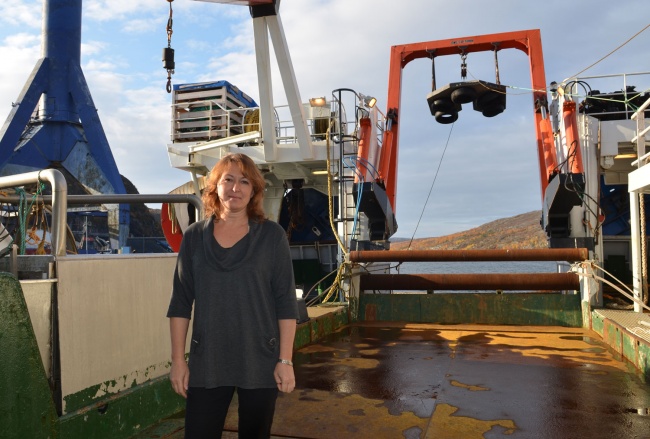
{"points": [[168, 52], [463, 64]]}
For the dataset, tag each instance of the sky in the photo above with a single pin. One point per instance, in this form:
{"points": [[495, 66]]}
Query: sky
{"points": [[450, 177]]}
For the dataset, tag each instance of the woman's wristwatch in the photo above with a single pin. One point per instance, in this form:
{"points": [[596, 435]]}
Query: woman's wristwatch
{"points": [[283, 361]]}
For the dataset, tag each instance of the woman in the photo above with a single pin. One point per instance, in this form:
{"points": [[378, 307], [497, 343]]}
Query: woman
{"points": [[235, 268]]}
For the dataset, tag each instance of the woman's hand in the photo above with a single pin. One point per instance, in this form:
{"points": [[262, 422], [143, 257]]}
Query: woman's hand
{"points": [[179, 376], [284, 377]]}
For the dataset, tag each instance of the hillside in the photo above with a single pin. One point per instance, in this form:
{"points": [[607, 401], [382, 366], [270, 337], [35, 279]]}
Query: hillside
{"points": [[516, 232]]}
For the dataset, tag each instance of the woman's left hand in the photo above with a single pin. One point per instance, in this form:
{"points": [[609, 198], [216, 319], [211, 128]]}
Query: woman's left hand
{"points": [[284, 377]]}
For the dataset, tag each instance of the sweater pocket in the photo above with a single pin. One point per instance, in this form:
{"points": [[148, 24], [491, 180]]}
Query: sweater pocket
{"points": [[270, 346], [196, 347]]}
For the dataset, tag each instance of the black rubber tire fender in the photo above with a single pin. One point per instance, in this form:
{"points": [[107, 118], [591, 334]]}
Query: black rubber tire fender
{"points": [[463, 95], [445, 117]]}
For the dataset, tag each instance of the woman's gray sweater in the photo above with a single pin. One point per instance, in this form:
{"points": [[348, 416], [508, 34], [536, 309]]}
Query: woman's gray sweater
{"points": [[239, 294]]}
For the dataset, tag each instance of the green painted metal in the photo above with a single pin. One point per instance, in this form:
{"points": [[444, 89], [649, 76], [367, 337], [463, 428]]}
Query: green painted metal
{"points": [[643, 362], [124, 414], [597, 324], [631, 347], [490, 309], [303, 335], [314, 327], [611, 336], [341, 318], [26, 406], [628, 347]]}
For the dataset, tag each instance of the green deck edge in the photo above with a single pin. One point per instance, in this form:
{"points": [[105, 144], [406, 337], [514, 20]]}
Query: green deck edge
{"points": [[634, 349], [489, 309], [124, 414], [26, 406], [318, 327]]}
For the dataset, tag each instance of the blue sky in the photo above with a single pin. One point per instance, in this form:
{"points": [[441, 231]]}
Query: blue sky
{"points": [[489, 169]]}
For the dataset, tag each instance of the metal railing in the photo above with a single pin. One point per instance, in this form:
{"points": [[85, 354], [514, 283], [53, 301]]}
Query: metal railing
{"points": [[608, 99], [58, 197], [59, 200], [235, 123]]}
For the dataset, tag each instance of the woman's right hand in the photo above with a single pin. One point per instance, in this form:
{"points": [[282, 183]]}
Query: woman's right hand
{"points": [[180, 377]]}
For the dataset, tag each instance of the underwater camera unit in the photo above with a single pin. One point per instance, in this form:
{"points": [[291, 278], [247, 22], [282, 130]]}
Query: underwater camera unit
{"points": [[487, 98]]}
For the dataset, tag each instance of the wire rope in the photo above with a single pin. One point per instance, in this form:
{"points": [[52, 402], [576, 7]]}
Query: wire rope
{"points": [[629, 294], [610, 53], [435, 176]]}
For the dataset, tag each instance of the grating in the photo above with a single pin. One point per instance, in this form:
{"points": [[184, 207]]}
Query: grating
{"points": [[636, 323]]}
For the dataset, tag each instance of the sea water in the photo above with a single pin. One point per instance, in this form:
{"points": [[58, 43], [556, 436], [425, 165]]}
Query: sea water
{"points": [[480, 267]]}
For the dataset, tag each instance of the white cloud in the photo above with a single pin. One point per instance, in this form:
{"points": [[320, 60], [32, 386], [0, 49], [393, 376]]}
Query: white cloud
{"points": [[20, 13], [102, 10], [143, 25], [23, 50]]}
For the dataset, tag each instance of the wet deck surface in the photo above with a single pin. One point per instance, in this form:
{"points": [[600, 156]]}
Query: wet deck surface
{"points": [[458, 381]]}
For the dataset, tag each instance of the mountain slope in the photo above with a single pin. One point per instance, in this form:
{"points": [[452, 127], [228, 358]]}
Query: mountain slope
{"points": [[516, 232]]}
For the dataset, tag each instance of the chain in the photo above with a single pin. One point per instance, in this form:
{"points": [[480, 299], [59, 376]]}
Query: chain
{"points": [[496, 62], [432, 55], [168, 52], [463, 65]]}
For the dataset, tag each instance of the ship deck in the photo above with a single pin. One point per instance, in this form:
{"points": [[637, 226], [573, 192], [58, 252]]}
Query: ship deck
{"points": [[399, 380]]}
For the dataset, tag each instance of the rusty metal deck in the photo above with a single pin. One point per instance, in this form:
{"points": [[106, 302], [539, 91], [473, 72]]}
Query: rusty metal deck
{"points": [[458, 381]]}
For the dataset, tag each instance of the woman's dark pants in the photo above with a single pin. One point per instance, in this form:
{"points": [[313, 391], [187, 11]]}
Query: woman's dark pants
{"points": [[206, 410]]}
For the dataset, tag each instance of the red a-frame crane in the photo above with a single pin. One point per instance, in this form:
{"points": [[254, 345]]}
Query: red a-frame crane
{"points": [[528, 41]]}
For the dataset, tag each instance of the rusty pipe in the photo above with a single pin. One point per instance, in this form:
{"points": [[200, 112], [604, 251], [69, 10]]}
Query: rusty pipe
{"points": [[542, 254], [474, 281]]}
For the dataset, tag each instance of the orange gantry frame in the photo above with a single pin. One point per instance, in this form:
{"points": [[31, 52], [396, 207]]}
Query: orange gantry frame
{"points": [[528, 41]]}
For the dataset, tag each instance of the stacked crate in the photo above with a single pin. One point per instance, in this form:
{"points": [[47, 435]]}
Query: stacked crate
{"points": [[207, 111]]}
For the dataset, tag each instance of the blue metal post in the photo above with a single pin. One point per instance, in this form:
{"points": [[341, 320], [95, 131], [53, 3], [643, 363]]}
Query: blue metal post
{"points": [[65, 132]]}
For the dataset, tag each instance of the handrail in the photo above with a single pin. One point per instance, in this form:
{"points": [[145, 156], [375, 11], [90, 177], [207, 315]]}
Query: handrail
{"points": [[121, 198], [641, 133], [58, 197], [59, 202], [642, 158]]}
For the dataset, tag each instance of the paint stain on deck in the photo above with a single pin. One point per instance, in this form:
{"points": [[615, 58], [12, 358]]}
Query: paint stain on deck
{"points": [[446, 424]]}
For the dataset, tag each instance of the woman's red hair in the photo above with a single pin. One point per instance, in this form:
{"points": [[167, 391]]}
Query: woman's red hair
{"points": [[212, 205]]}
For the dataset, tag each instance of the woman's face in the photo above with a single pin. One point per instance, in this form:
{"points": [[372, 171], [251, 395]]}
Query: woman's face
{"points": [[234, 190]]}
